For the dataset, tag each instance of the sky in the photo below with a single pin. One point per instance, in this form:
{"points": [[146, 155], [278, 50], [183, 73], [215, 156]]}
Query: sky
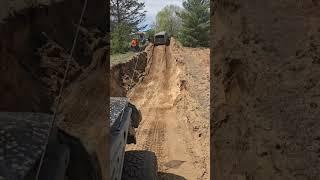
{"points": [[154, 6]]}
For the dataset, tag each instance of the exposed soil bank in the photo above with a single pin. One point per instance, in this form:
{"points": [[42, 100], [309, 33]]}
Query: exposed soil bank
{"points": [[34, 46], [193, 102], [266, 89], [162, 98], [126, 75]]}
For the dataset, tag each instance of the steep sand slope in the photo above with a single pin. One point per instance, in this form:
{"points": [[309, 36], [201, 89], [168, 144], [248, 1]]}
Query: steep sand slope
{"points": [[162, 129], [266, 90]]}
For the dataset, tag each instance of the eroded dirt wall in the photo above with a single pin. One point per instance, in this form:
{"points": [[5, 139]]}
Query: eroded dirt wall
{"points": [[35, 42], [34, 48], [174, 125], [265, 104], [124, 76]]}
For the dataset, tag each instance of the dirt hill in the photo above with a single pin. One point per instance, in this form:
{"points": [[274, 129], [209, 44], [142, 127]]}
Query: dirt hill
{"points": [[265, 103], [170, 86]]}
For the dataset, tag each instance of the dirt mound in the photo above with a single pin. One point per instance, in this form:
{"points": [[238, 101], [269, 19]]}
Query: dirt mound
{"points": [[163, 128], [193, 106], [124, 76], [35, 42], [265, 90], [53, 64]]}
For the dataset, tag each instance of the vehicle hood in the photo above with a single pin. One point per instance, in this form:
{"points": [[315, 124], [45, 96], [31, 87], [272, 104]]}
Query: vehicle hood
{"points": [[23, 137]]}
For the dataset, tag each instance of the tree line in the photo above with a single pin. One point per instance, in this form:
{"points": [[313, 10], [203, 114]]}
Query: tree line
{"points": [[190, 24]]}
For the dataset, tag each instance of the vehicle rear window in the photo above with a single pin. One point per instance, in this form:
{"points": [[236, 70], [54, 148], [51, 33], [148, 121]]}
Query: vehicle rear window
{"points": [[160, 36]]}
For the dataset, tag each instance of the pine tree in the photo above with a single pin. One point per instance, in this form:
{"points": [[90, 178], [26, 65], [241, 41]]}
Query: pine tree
{"points": [[195, 23]]}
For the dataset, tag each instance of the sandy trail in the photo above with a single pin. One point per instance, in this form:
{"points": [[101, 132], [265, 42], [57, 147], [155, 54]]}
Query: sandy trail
{"points": [[160, 130]]}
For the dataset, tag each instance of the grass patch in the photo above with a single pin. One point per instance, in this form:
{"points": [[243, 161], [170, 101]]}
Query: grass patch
{"points": [[120, 58]]}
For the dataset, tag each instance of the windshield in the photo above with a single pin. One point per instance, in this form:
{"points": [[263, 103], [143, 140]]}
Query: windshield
{"points": [[159, 38]]}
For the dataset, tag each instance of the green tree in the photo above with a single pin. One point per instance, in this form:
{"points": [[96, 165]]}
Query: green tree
{"points": [[167, 20], [119, 38], [150, 33], [130, 12], [126, 16], [195, 23]]}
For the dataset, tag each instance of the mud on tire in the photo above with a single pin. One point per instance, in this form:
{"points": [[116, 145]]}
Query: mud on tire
{"points": [[140, 165]]}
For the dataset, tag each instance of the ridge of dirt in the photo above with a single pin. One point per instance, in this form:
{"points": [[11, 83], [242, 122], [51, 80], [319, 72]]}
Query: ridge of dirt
{"points": [[265, 104], [193, 107], [160, 97], [34, 47], [125, 75]]}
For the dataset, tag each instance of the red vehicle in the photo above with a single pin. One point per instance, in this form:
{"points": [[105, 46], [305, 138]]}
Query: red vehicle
{"points": [[135, 44], [137, 41]]}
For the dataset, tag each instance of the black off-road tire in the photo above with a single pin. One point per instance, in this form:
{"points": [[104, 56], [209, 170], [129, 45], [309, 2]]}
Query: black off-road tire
{"points": [[140, 165]]}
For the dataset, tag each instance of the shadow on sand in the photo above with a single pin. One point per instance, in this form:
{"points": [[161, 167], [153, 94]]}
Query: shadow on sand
{"points": [[169, 176]]}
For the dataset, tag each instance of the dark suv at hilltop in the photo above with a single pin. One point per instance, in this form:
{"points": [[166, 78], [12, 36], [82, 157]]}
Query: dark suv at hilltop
{"points": [[161, 38]]}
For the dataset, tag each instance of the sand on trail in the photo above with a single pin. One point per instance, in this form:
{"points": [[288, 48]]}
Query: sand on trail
{"points": [[162, 130]]}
